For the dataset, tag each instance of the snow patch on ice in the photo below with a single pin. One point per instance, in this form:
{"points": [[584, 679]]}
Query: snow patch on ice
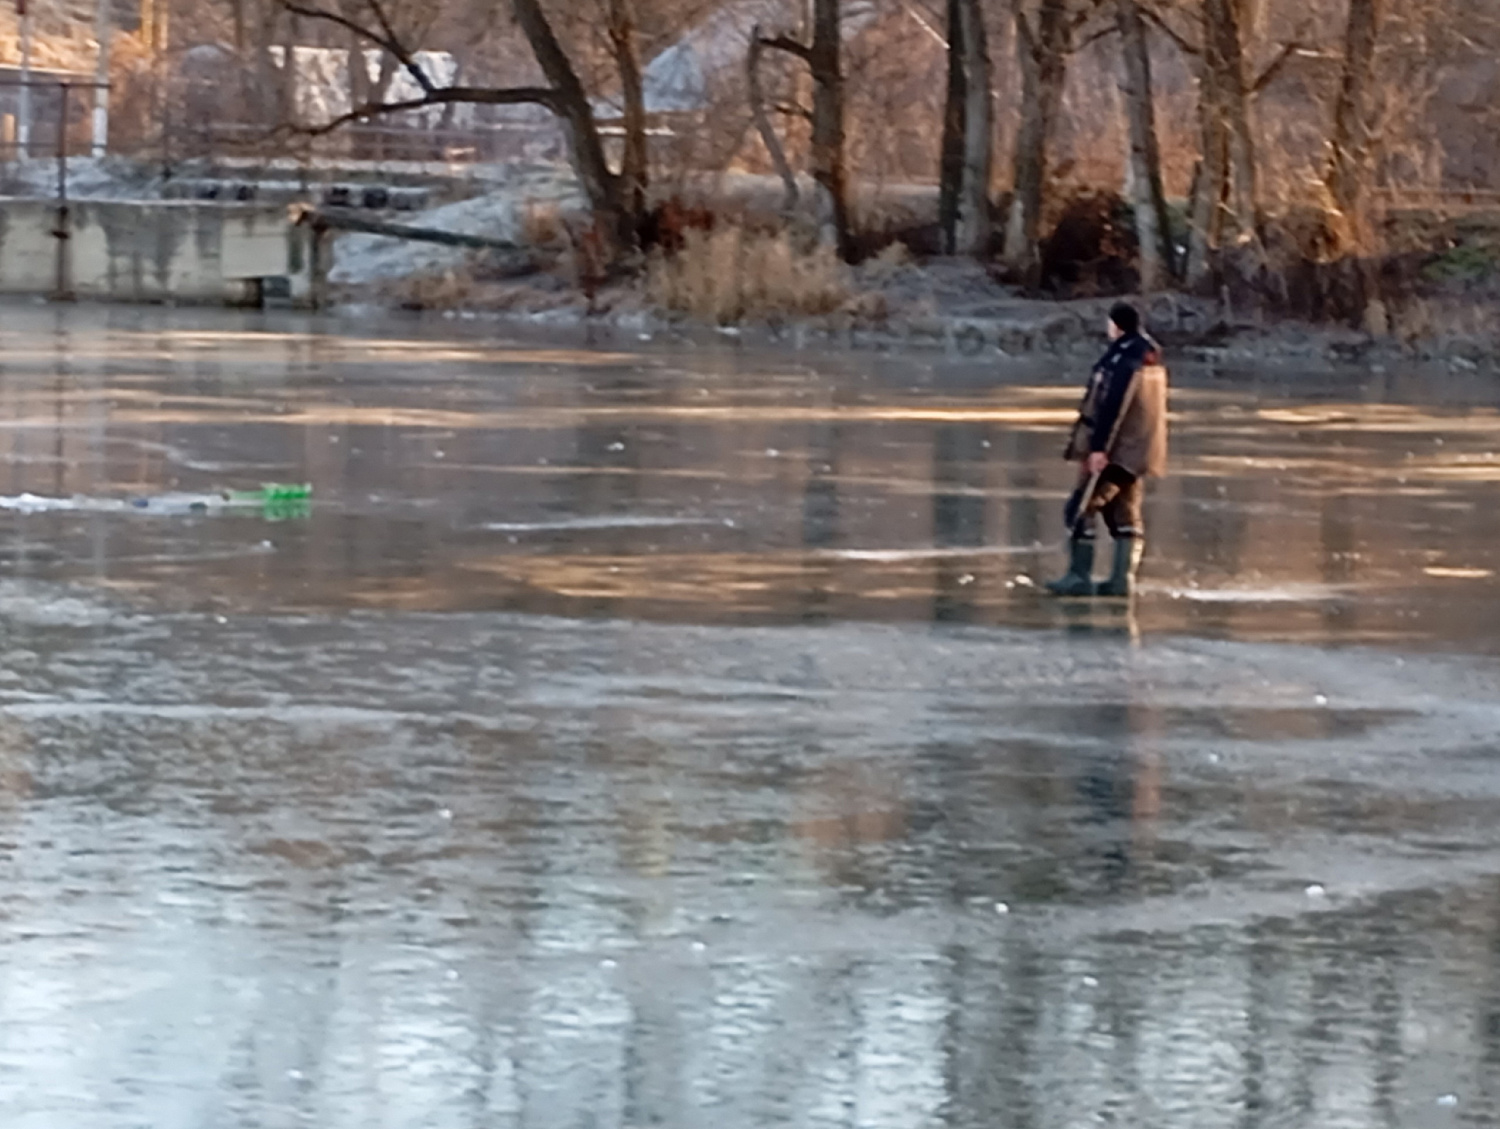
{"points": [[1287, 594], [625, 521], [899, 556], [159, 504], [38, 607]]}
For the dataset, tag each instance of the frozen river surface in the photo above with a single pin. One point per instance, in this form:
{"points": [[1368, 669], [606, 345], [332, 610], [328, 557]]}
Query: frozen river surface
{"points": [[673, 737]]}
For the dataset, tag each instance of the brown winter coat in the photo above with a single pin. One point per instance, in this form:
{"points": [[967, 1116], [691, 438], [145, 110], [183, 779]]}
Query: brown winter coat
{"points": [[1141, 444]]}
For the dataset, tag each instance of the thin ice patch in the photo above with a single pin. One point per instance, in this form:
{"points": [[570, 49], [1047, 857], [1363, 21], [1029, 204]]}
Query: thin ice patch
{"points": [[585, 524], [19, 604], [1286, 594], [156, 504], [899, 556], [39, 504]]}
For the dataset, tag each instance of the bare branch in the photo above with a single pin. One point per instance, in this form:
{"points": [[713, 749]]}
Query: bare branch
{"points": [[1185, 45], [466, 95], [925, 24], [792, 110], [296, 9], [768, 136], [1026, 34], [386, 40], [789, 45], [1083, 16], [1275, 67], [397, 48], [1098, 36]]}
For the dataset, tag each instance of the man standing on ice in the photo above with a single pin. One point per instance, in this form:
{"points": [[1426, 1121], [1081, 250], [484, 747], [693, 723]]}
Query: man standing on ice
{"points": [[1121, 440]]}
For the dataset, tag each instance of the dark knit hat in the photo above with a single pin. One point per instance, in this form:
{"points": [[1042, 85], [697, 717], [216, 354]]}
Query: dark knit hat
{"points": [[1125, 316]]}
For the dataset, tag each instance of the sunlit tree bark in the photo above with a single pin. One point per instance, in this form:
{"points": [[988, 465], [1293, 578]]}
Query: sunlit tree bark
{"points": [[968, 132], [1148, 196]]}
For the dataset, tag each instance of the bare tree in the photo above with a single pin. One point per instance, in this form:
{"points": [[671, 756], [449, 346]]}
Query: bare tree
{"points": [[1349, 147], [968, 132], [613, 200], [955, 113], [1149, 197], [823, 54], [1226, 190], [1043, 44], [762, 119], [1224, 129], [635, 170]]}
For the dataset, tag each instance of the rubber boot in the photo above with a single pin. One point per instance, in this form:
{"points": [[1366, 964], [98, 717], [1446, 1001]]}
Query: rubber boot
{"points": [[1128, 554], [1080, 578]]}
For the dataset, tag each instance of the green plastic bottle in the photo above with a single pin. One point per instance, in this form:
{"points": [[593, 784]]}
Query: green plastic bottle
{"points": [[277, 501], [272, 493]]}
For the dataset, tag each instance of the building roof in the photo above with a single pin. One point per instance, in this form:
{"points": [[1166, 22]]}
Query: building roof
{"points": [[682, 77]]}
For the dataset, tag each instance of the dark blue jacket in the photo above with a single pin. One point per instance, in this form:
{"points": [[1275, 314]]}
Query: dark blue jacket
{"points": [[1111, 384], [1138, 442]]}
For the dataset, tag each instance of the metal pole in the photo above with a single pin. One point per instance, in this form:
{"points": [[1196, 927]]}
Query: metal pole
{"points": [[103, 31], [64, 230], [23, 125], [63, 90]]}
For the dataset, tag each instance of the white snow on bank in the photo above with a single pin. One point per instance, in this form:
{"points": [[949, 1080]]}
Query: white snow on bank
{"points": [[499, 214], [88, 179]]}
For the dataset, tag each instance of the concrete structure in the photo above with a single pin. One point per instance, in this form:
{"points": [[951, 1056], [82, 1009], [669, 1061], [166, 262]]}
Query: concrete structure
{"points": [[153, 251]]}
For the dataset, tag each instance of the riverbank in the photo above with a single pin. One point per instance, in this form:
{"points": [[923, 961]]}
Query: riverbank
{"points": [[737, 271], [949, 308]]}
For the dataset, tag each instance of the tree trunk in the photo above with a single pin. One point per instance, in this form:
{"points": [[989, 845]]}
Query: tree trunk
{"points": [[1206, 220], [1149, 198], [266, 109], [573, 109], [359, 88], [1245, 194], [973, 235], [1349, 149], [287, 92], [1228, 185], [359, 73], [635, 162], [825, 59], [955, 115], [1043, 58], [763, 126]]}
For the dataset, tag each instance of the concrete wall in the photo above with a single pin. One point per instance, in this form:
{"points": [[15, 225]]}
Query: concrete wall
{"points": [[152, 251]]}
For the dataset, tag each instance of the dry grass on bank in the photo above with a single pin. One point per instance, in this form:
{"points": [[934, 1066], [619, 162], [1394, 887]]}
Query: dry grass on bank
{"points": [[730, 275], [443, 289], [1444, 322]]}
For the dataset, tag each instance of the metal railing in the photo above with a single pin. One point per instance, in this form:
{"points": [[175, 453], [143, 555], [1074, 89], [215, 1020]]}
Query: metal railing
{"points": [[374, 145], [65, 116]]}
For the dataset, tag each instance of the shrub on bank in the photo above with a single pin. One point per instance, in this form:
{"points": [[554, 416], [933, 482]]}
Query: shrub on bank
{"points": [[730, 275]]}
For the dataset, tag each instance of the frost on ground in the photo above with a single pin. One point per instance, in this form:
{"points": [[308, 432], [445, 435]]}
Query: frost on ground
{"points": [[89, 178], [504, 213]]}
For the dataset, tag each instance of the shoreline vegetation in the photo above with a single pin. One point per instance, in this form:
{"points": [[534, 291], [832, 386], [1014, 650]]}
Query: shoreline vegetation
{"points": [[765, 285], [1263, 163]]}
